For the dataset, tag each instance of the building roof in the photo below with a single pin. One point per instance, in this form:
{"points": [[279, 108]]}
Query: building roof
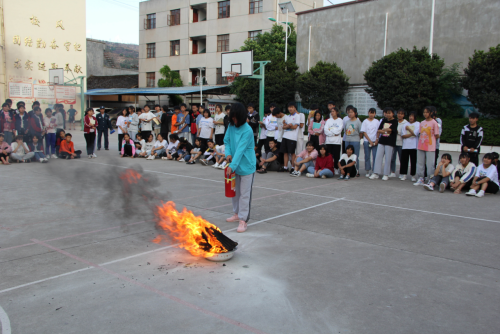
{"points": [[153, 90], [354, 2], [119, 81]]}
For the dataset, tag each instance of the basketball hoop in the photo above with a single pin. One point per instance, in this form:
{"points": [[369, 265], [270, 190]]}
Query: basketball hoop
{"points": [[231, 76]]}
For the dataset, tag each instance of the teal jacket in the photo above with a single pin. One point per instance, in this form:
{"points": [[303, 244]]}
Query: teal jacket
{"points": [[240, 145]]}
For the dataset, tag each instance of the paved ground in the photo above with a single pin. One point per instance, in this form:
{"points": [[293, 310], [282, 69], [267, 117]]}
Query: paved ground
{"points": [[320, 256]]}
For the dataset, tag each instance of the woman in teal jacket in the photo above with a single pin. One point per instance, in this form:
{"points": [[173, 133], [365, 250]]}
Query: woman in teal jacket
{"points": [[240, 153]]}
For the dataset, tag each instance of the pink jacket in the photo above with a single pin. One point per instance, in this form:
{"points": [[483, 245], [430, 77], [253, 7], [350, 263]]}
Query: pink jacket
{"points": [[131, 143], [304, 154], [5, 146], [322, 136]]}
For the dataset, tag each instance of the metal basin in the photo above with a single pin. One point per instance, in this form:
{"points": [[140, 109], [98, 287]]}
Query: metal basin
{"points": [[222, 257]]}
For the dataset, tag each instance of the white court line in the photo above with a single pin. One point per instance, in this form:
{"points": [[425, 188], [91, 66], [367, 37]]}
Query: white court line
{"points": [[159, 249], [4, 320]]}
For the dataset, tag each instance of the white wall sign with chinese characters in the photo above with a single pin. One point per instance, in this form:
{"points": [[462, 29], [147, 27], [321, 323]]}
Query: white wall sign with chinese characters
{"points": [[65, 95], [20, 90], [358, 97], [44, 92]]}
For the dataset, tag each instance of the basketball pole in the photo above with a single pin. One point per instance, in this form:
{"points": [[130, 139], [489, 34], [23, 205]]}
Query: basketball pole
{"points": [[261, 76]]}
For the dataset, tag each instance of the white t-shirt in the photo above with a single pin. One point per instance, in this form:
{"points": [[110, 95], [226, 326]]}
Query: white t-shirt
{"points": [[220, 149], [291, 134], [172, 147], [143, 144], [352, 157], [206, 126], [271, 124], [278, 135], [300, 135], [149, 125], [490, 172], [344, 120], [21, 150], [148, 146], [370, 128], [333, 129], [410, 142], [263, 131], [399, 139], [219, 129], [163, 144], [449, 169], [121, 122]]}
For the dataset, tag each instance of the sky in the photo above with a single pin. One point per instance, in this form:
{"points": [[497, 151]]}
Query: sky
{"points": [[118, 20]]}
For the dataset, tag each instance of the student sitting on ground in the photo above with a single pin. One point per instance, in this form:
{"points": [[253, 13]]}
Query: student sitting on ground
{"points": [[5, 150], [128, 147], [324, 165], [220, 157], [61, 136], [347, 164], [147, 146], [486, 179], [36, 146], [172, 147], [495, 161], [306, 159], [441, 174], [159, 147], [184, 149], [271, 159], [139, 143], [463, 174], [209, 154], [196, 152], [20, 151], [67, 149]]}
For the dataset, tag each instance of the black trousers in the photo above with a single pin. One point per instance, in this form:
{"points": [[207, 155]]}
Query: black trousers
{"points": [[219, 139], [99, 137], [315, 140], [408, 155], [66, 155], [145, 134], [120, 140], [474, 157], [127, 150], [351, 171], [260, 144], [90, 139], [334, 150]]}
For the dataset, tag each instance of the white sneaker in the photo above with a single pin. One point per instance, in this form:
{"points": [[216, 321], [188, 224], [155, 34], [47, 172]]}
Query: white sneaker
{"points": [[90, 156], [215, 166], [94, 155], [164, 158], [413, 179], [298, 174], [310, 175], [420, 182], [222, 167], [480, 194], [392, 175], [367, 175], [428, 187], [385, 178], [471, 193], [153, 157], [442, 187], [403, 178], [204, 161], [374, 176], [182, 160], [149, 158], [323, 177], [53, 156]]}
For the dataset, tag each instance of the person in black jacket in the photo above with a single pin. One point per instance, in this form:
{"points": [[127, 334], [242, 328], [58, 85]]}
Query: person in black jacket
{"points": [[103, 124], [471, 138], [253, 120], [22, 124], [166, 122]]}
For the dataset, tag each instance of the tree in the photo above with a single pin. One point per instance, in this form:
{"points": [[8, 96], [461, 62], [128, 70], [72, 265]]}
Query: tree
{"points": [[406, 79], [280, 76], [171, 79], [449, 85], [322, 83], [482, 79]]}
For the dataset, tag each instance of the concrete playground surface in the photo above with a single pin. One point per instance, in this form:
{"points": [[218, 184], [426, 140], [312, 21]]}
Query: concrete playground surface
{"points": [[319, 256]]}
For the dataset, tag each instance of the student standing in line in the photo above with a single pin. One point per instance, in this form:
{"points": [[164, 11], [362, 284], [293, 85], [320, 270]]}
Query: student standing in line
{"points": [[270, 160], [50, 133], [157, 122], [175, 128], [128, 147], [5, 150], [165, 121], [352, 130], [271, 125], [398, 149], [312, 112], [387, 140], [291, 126], [369, 129], [440, 125], [315, 130], [22, 123], [36, 123], [71, 118], [239, 143], [486, 179], [429, 133], [59, 118], [347, 164], [253, 120], [463, 174], [133, 123], [206, 127], [262, 143], [122, 124], [146, 119], [409, 134], [8, 123], [300, 133], [333, 130], [219, 125], [305, 159], [441, 174], [471, 137], [324, 165], [344, 120], [103, 126], [89, 127], [278, 135], [185, 126]]}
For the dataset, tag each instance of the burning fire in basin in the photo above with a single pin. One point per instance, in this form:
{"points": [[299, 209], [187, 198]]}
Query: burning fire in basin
{"points": [[193, 233]]}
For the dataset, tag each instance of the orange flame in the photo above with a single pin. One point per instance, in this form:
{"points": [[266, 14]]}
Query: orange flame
{"points": [[188, 230], [130, 176]]}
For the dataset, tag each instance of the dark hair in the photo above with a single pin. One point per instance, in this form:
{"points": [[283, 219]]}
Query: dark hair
{"points": [[5, 105], [309, 143], [183, 105], [274, 141], [159, 135], [331, 103], [402, 111], [138, 134], [129, 135], [228, 107], [220, 107], [183, 140], [2, 135], [38, 103], [210, 141], [176, 108], [126, 110], [473, 115], [372, 110], [336, 110], [67, 134], [488, 156], [138, 109], [389, 109], [8, 100], [150, 135], [276, 111], [464, 155], [292, 104], [316, 113], [174, 137], [165, 107], [20, 103], [157, 106], [314, 106], [238, 112], [251, 105], [429, 109], [147, 106], [59, 133], [323, 147], [36, 109], [267, 111], [448, 157], [495, 155], [86, 111], [201, 106], [47, 110], [19, 137], [206, 111], [273, 104], [350, 146]]}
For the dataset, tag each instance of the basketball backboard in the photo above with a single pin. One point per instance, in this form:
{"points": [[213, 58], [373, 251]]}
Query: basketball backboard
{"points": [[240, 62], [56, 76]]}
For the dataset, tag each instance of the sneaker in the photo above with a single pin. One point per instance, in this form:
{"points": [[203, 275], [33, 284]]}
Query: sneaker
{"points": [[392, 175], [261, 172], [442, 187], [106, 149], [420, 182], [242, 227], [222, 167], [232, 218], [45, 160], [282, 169], [54, 156], [215, 166], [471, 193], [347, 178], [293, 174], [182, 160], [153, 157], [204, 161], [428, 187], [385, 178], [94, 155], [310, 175], [297, 174], [367, 175], [190, 163], [149, 157], [90, 156], [341, 177], [402, 178], [374, 176], [480, 194], [323, 177], [164, 158], [413, 179]]}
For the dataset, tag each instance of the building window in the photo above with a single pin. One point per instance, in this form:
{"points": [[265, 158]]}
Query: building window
{"points": [[256, 6], [222, 43], [224, 9], [220, 79], [174, 19], [150, 22], [151, 50], [150, 79], [175, 48], [253, 34]]}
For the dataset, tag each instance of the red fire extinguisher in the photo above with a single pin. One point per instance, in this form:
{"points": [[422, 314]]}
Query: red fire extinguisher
{"points": [[230, 183]]}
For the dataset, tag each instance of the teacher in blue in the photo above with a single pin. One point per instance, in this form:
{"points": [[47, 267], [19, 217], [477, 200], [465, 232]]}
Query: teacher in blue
{"points": [[239, 149]]}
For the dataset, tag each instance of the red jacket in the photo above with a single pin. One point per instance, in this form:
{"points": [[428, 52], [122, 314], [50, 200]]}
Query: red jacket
{"points": [[86, 126], [324, 163]]}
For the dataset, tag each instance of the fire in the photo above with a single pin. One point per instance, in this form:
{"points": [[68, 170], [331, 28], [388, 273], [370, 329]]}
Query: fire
{"points": [[191, 232], [130, 176]]}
